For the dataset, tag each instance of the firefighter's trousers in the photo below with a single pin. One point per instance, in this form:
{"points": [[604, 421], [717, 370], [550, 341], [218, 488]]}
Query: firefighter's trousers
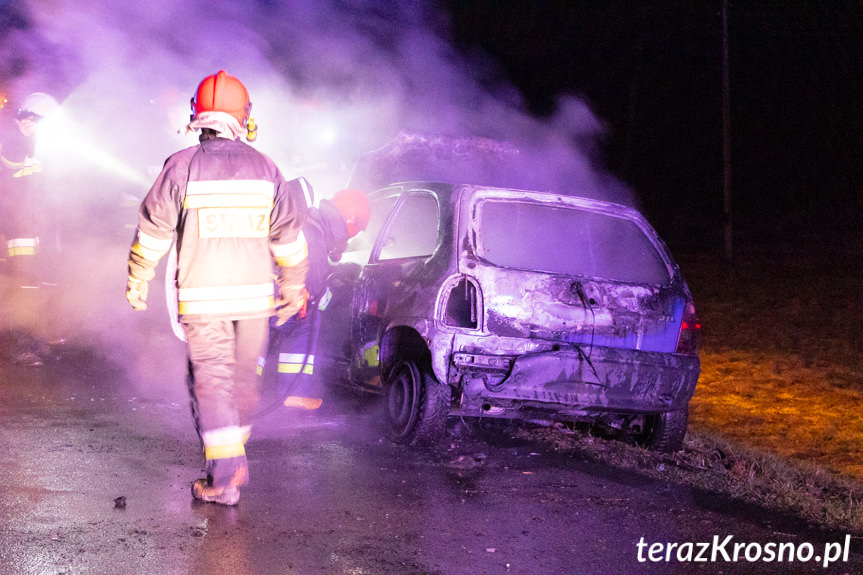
{"points": [[290, 360], [21, 289], [28, 290], [224, 391]]}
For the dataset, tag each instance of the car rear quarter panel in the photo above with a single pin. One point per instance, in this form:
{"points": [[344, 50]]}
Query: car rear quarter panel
{"points": [[584, 343]]}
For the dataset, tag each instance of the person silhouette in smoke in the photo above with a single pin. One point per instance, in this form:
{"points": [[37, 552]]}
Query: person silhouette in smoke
{"points": [[22, 217], [290, 357], [235, 218]]}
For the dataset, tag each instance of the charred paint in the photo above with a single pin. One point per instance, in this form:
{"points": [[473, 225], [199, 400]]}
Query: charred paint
{"points": [[570, 346]]}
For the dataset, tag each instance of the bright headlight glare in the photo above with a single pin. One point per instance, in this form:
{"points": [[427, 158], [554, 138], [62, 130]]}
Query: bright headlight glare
{"points": [[66, 143]]}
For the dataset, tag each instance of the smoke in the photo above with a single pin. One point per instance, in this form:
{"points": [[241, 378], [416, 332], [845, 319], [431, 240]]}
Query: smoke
{"points": [[329, 80]]}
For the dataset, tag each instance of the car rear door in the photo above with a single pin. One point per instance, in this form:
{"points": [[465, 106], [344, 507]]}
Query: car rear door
{"points": [[390, 285], [575, 271]]}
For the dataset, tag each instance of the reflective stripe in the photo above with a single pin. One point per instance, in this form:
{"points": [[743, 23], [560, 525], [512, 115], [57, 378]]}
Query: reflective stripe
{"points": [[27, 167], [296, 358], [225, 292], [290, 254], [27, 171], [227, 201], [370, 355], [149, 247], [294, 362], [325, 299], [307, 191], [224, 451], [232, 306], [226, 299], [229, 194], [222, 435], [22, 247], [223, 443], [12, 165], [295, 368]]}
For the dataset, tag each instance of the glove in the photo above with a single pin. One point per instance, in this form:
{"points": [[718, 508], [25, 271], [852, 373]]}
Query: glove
{"points": [[136, 293], [291, 300], [292, 283]]}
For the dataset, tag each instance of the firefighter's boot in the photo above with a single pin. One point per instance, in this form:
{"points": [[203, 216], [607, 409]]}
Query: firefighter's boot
{"points": [[308, 403], [203, 491]]}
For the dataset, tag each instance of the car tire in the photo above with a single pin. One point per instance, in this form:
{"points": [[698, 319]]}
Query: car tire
{"points": [[416, 405], [665, 431]]}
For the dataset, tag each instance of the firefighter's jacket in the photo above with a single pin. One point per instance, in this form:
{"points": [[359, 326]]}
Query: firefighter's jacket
{"points": [[234, 215], [327, 236]]}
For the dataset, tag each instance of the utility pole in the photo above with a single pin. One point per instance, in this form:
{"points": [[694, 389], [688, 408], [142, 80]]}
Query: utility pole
{"points": [[726, 135]]}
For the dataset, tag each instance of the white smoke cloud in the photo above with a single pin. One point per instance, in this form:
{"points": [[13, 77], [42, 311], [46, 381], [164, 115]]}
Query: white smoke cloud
{"points": [[328, 80]]}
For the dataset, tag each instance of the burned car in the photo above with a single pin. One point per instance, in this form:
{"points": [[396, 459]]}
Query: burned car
{"points": [[488, 302]]}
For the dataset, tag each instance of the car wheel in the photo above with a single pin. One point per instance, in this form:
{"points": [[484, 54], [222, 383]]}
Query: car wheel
{"points": [[665, 431], [417, 405]]}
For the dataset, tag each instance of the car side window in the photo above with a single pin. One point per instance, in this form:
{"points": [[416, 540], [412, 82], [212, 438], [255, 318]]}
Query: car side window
{"points": [[413, 231], [583, 243], [360, 246]]}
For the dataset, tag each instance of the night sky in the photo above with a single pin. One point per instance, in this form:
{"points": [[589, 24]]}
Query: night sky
{"points": [[651, 72]]}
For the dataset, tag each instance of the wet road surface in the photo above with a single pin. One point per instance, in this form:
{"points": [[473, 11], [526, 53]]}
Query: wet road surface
{"points": [[96, 461]]}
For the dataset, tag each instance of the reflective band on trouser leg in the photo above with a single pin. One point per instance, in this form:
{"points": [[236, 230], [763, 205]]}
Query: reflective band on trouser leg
{"points": [[223, 443], [22, 247], [297, 377], [227, 299], [296, 363], [301, 386], [226, 456], [288, 255]]}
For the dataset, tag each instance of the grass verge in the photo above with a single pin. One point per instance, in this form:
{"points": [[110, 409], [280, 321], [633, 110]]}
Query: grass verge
{"points": [[710, 462], [777, 418]]}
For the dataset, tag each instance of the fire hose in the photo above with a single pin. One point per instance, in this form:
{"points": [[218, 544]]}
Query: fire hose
{"points": [[277, 335]]}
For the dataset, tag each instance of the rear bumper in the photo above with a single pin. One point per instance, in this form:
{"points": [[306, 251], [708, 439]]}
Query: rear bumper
{"points": [[571, 383]]}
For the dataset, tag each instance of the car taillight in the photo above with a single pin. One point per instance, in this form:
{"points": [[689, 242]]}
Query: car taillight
{"points": [[461, 307], [689, 338]]}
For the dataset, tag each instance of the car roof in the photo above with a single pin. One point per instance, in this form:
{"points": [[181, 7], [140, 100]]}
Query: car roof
{"points": [[440, 158], [450, 190]]}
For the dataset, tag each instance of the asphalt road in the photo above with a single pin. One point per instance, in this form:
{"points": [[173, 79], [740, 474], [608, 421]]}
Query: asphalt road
{"points": [[97, 456]]}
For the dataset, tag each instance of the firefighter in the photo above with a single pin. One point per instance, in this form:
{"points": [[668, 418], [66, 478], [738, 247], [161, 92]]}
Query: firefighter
{"points": [[235, 219], [291, 351], [21, 220]]}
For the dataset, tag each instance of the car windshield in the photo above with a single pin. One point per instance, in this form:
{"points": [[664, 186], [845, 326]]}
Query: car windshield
{"points": [[564, 240]]}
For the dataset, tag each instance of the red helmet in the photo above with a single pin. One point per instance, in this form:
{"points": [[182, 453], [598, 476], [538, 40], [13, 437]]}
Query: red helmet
{"points": [[222, 93], [354, 207]]}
